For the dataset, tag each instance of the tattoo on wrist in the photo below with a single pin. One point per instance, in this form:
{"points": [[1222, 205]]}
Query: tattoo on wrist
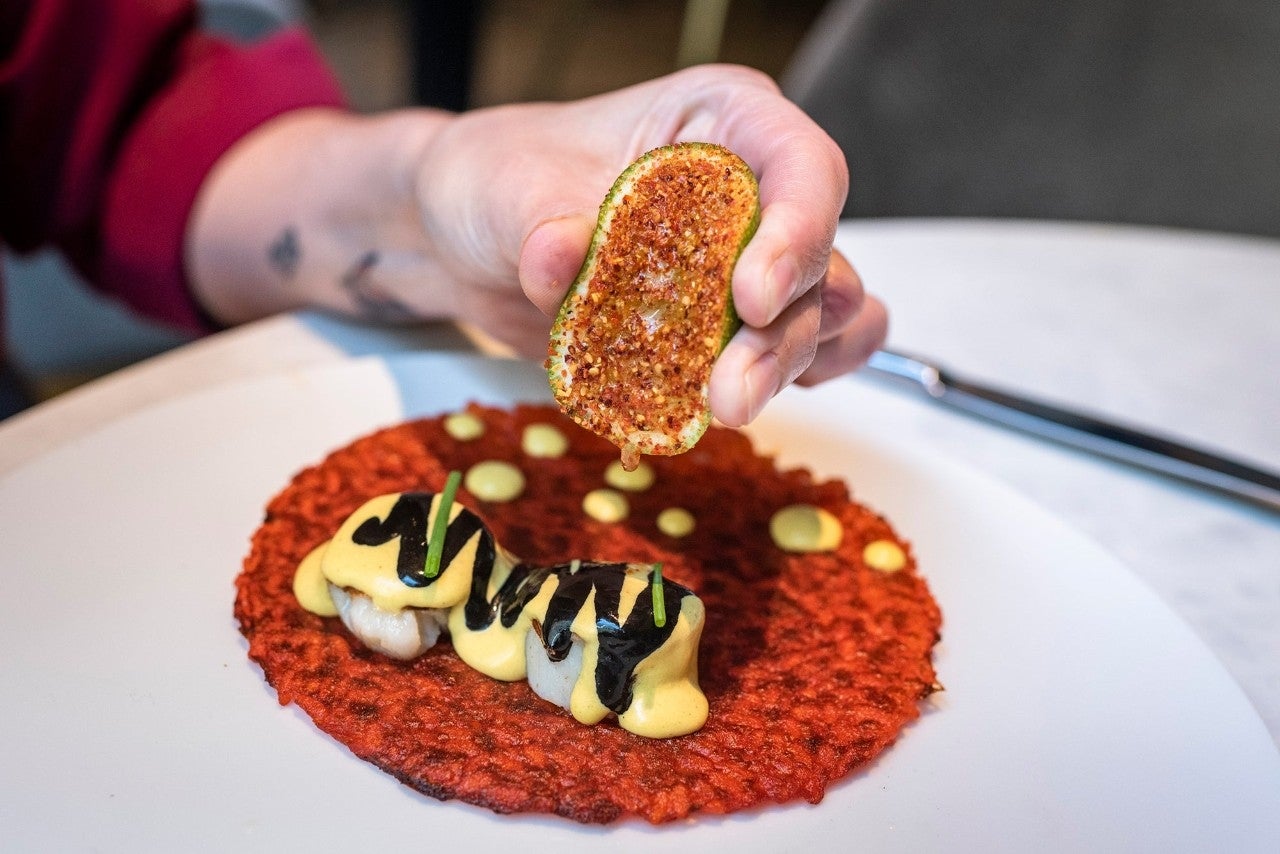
{"points": [[284, 255], [370, 300]]}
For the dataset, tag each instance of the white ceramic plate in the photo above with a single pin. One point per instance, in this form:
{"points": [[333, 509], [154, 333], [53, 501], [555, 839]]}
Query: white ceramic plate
{"points": [[1079, 714]]}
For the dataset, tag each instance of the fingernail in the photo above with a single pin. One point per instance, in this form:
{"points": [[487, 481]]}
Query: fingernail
{"points": [[762, 381], [550, 258]]}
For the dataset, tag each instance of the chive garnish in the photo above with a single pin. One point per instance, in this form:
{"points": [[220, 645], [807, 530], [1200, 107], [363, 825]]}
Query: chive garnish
{"points": [[659, 601], [435, 546]]}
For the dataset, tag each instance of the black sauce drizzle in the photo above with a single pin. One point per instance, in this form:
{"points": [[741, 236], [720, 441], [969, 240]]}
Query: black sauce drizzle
{"points": [[408, 521], [622, 646]]}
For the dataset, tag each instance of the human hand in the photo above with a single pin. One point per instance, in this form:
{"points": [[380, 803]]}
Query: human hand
{"points": [[421, 214], [511, 194]]}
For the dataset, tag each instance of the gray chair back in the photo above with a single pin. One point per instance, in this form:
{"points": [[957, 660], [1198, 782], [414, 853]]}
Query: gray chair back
{"points": [[1163, 112]]}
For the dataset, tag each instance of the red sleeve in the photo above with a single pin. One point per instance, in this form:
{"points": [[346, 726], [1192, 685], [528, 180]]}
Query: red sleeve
{"points": [[111, 114]]}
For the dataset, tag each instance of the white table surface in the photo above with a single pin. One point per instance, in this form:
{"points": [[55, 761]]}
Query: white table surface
{"points": [[1170, 330]]}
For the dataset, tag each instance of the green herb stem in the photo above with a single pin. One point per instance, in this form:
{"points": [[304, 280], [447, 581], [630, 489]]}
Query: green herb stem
{"points": [[659, 601], [435, 546]]}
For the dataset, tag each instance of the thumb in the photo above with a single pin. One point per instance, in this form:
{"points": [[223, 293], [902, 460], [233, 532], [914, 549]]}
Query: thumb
{"points": [[551, 257]]}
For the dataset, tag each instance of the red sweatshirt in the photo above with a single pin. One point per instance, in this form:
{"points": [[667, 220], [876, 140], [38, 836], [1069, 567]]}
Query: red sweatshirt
{"points": [[111, 114]]}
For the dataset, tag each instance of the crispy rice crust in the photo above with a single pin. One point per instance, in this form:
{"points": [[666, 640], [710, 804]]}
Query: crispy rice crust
{"points": [[812, 664]]}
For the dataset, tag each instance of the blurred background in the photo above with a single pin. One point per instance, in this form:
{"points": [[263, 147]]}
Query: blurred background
{"points": [[391, 53], [1155, 112]]}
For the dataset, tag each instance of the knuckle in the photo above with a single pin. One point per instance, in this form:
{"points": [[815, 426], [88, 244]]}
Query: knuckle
{"points": [[727, 74]]}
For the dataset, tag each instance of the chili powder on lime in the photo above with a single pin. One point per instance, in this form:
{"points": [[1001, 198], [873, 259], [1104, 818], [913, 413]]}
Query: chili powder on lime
{"points": [[635, 340]]}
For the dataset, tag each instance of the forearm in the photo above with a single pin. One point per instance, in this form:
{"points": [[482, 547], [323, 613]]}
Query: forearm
{"points": [[318, 208]]}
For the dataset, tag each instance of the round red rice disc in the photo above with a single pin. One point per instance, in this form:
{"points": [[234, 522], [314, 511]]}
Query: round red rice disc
{"points": [[812, 663]]}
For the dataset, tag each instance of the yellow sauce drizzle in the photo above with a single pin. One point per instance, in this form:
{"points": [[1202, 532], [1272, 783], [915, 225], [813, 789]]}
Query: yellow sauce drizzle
{"points": [[310, 587], [666, 698], [372, 569]]}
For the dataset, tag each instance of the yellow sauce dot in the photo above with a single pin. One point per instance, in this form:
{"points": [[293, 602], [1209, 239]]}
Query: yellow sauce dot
{"points": [[805, 528], [543, 440], [632, 481], [676, 522], [494, 480], [605, 505], [464, 426], [884, 555]]}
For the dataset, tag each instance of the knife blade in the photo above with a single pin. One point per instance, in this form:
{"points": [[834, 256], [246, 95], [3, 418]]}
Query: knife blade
{"points": [[1109, 439]]}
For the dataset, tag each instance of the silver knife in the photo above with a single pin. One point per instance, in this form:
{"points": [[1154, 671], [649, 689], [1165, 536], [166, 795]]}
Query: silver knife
{"points": [[1105, 438]]}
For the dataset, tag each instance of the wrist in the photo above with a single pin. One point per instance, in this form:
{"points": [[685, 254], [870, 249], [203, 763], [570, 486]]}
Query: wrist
{"points": [[306, 209]]}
